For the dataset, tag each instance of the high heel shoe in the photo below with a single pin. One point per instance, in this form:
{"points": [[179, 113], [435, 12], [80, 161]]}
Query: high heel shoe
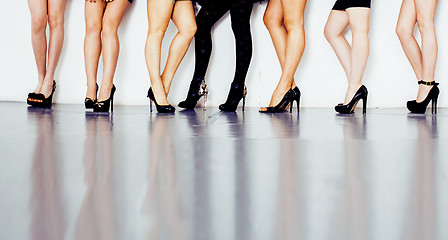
{"points": [[41, 101], [160, 108], [198, 88], [286, 102], [90, 102], [433, 95], [236, 93], [103, 106], [350, 107], [296, 97]]}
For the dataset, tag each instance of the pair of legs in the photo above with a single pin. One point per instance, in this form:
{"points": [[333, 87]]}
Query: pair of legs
{"points": [[284, 20], [352, 58], [210, 13], [43, 12], [102, 22], [159, 14], [423, 60]]}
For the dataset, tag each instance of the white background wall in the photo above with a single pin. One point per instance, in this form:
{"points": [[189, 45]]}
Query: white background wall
{"points": [[389, 77]]}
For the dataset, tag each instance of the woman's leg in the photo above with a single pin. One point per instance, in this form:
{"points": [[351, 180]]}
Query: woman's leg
{"points": [[336, 24], [206, 19], [111, 46], [273, 20], [359, 26], [159, 14], [240, 12], [293, 11], [426, 10], [405, 30], [185, 21], [38, 10], [56, 10], [92, 43]]}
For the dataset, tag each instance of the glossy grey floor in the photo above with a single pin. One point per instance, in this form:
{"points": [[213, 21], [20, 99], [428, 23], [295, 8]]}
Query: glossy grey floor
{"points": [[70, 174]]}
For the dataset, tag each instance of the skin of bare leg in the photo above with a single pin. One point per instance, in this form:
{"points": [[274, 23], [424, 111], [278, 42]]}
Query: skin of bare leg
{"points": [[185, 21], [159, 14], [293, 19], [336, 24], [273, 20], [92, 43], [110, 44], [38, 10], [405, 31], [56, 10], [359, 25], [426, 10]]}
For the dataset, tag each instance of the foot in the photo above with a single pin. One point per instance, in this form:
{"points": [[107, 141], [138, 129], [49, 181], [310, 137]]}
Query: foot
{"points": [[91, 91], [351, 91], [160, 96], [104, 92], [277, 96], [47, 87], [423, 91]]}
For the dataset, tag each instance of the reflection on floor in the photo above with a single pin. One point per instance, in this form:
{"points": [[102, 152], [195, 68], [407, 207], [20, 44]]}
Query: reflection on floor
{"points": [[201, 175]]}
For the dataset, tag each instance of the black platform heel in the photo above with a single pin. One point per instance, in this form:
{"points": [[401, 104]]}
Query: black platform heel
{"points": [[160, 108], [198, 88], [286, 102], [350, 107], [41, 101], [236, 93], [433, 95], [90, 102], [296, 97], [103, 106]]}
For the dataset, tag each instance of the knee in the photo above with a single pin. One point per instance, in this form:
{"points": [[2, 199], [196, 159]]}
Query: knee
{"points": [[294, 23], [403, 32], [271, 21], [93, 28], [241, 28], [330, 34], [38, 24], [56, 21], [188, 31], [109, 28], [425, 23]]}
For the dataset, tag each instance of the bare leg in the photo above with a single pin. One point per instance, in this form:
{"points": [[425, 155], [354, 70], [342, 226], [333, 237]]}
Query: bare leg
{"points": [[336, 24], [293, 19], [359, 25], [92, 43], [56, 9], [111, 21], [273, 20], [426, 10], [159, 14], [38, 10], [183, 17]]}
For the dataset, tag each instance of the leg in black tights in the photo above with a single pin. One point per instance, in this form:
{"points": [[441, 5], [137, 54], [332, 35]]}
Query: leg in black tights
{"points": [[240, 12], [205, 20]]}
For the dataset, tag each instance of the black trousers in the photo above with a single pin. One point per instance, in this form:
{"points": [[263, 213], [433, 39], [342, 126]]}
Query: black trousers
{"points": [[209, 14]]}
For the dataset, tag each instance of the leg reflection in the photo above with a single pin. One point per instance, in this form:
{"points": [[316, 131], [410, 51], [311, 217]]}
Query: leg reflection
{"points": [[97, 218], [47, 222]]}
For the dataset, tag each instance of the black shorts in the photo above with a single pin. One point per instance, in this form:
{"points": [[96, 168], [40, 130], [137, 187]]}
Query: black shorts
{"points": [[344, 4], [130, 1]]}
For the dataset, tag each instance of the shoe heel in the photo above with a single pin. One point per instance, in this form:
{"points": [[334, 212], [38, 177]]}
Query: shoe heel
{"points": [[364, 105], [244, 97], [291, 106], [205, 101], [434, 106], [150, 105]]}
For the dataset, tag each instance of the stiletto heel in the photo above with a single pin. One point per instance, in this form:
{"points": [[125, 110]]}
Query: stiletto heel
{"points": [[236, 93], [41, 101], [350, 107], [297, 96], [286, 102], [90, 102], [364, 105], [103, 106], [433, 95], [198, 88], [160, 108], [150, 105]]}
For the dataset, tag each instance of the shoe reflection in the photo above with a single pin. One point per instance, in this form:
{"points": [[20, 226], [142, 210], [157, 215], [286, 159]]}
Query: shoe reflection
{"points": [[47, 221], [420, 215], [162, 203], [97, 218]]}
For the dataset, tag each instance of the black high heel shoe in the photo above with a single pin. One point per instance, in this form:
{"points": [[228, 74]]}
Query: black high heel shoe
{"points": [[236, 93], [296, 97], [286, 102], [433, 95], [160, 108], [198, 88], [90, 102], [103, 106], [350, 107], [41, 101]]}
